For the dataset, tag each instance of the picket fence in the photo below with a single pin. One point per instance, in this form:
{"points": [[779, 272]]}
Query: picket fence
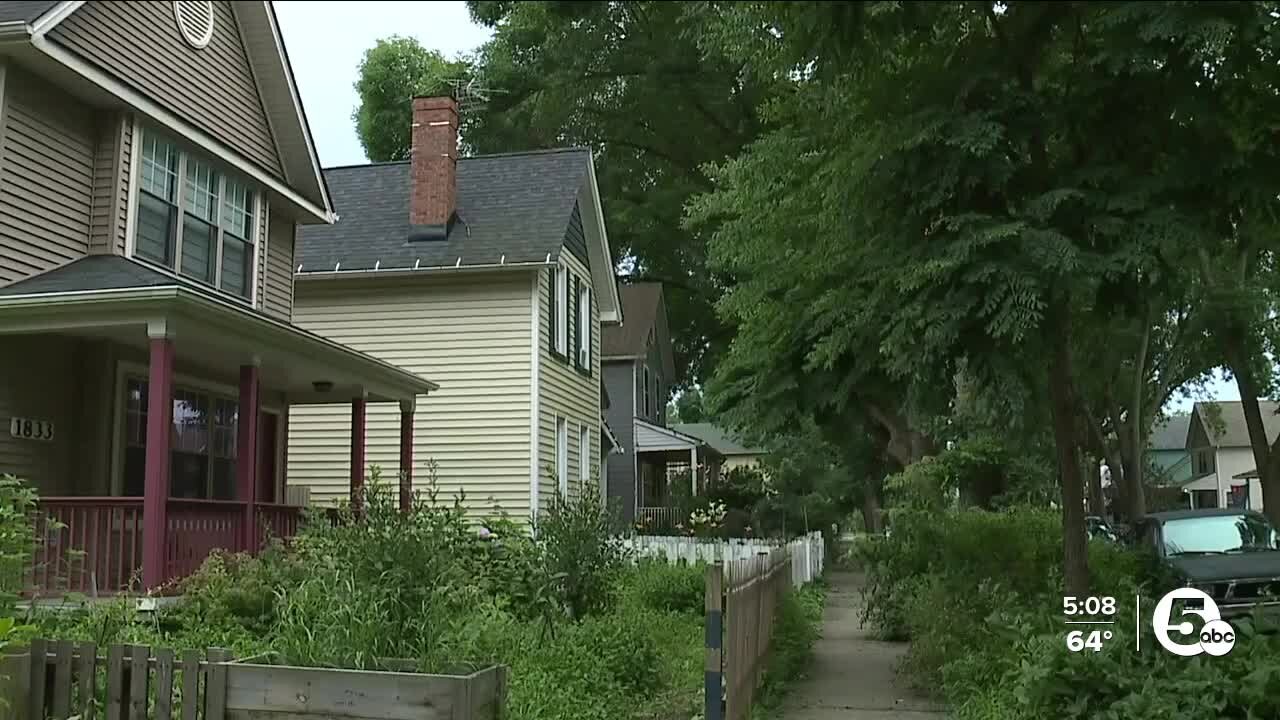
{"points": [[807, 553]]}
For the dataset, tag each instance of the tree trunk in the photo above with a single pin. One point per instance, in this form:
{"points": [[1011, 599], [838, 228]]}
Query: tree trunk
{"points": [[1264, 454], [871, 511], [1075, 544], [1137, 426]]}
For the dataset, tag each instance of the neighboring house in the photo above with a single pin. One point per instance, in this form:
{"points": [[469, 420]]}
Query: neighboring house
{"points": [[734, 452], [1167, 452], [1222, 465], [639, 371], [490, 274], [154, 160]]}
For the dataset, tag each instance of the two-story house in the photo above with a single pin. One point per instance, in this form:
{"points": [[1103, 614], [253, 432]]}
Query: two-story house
{"points": [[154, 161], [639, 372], [1223, 472], [492, 275]]}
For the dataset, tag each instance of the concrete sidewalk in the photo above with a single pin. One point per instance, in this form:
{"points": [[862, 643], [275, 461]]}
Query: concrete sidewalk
{"points": [[853, 674]]}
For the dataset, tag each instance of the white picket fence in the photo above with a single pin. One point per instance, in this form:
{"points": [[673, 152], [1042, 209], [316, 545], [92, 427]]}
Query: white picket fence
{"points": [[808, 553]]}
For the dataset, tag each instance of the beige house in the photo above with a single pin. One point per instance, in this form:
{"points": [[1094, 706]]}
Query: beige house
{"points": [[154, 163], [491, 275], [734, 453], [1222, 466]]}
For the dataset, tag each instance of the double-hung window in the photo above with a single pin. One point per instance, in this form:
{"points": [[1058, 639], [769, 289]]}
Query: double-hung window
{"points": [[562, 311], [562, 456], [193, 218]]}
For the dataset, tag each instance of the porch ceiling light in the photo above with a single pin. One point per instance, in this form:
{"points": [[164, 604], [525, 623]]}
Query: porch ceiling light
{"points": [[322, 386]]}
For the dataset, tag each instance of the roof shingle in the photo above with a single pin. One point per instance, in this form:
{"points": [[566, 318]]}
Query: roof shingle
{"points": [[512, 208], [717, 438], [26, 11], [640, 304]]}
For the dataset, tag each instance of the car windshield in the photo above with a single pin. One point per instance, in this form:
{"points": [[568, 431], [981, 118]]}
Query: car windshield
{"points": [[1218, 534]]}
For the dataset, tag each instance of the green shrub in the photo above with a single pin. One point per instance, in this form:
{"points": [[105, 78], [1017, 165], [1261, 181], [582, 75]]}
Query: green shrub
{"points": [[582, 553], [797, 627], [17, 538], [656, 585]]}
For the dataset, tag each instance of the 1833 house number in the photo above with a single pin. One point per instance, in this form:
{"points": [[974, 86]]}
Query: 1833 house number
{"points": [[28, 429]]}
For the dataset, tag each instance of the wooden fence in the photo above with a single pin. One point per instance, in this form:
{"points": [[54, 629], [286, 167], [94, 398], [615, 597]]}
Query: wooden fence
{"points": [[742, 599], [64, 681], [808, 552]]}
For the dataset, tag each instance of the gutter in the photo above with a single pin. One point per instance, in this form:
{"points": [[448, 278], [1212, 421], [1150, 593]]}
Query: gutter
{"points": [[339, 274], [14, 30], [180, 295]]}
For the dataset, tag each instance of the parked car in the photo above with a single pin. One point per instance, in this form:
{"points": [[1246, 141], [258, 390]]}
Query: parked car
{"points": [[1233, 555]]}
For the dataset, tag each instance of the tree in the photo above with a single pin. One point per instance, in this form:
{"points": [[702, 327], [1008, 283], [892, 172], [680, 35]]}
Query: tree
{"points": [[630, 81], [966, 182], [688, 407], [392, 73]]}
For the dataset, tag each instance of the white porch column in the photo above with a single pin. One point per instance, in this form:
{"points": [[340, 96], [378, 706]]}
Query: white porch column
{"points": [[693, 470]]}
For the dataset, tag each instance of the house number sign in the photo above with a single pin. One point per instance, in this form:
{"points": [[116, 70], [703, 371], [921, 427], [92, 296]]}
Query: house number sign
{"points": [[29, 429]]}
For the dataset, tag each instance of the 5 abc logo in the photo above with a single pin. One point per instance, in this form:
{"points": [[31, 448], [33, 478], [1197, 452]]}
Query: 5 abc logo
{"points": [[1216, 636]]}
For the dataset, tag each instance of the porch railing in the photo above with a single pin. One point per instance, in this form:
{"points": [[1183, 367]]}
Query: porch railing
{"points": [[656, 519], [94, 544]]}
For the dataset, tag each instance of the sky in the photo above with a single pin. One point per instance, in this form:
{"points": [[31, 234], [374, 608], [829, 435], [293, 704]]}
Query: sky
{"points": [[326, 41]]}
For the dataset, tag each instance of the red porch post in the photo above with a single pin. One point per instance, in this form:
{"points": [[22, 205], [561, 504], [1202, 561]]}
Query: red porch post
{"points": [[155, 502], [357, 454], [406, 455], [247, 455]]}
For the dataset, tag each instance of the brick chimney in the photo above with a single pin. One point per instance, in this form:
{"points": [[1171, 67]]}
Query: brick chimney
{"points": [[433, 186]]}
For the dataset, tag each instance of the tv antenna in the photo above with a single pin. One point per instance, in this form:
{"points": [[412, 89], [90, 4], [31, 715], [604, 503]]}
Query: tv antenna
{"points": [[470, 94]]}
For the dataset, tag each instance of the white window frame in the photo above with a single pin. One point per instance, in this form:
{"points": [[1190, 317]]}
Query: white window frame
{"points": [[562, 455], [256, 246], [584, 323], [562, 310], [584, 455]]}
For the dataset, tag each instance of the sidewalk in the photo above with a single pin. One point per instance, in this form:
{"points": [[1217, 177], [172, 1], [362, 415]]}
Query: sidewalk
{"points": [[853, 675]]}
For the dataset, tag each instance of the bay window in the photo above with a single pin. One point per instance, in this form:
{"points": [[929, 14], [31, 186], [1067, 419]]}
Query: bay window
{"points": [[193, 218]]}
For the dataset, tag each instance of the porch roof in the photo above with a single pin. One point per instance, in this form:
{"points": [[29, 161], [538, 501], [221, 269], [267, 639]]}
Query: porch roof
{"points": [[653, 438], [115, 297]]}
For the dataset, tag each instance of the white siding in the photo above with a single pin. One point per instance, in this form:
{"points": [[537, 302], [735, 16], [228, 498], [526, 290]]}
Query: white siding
{"points": [[469, 333], [567, 392], [1232, 461]]}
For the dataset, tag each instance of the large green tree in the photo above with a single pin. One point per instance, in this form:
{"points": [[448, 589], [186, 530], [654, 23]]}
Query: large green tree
{"points": [[392, 73], [629, 81], [977, 178]]}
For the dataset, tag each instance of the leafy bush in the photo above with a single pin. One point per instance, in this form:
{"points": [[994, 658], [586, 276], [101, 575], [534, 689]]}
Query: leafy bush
{"points": [[656, 585], [582, 553], [17, 537], [797, 627]]}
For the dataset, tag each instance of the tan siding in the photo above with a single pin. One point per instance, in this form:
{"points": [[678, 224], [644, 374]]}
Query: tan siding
{"points": [[278, 284], [110, 184], [260, 247], [213, 88], [46, 178], [568, 393], [37, 382], [470, 334]]}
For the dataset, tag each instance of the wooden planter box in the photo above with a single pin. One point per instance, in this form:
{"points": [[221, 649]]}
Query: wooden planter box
{"points": [[56, 680], [263, 692]]}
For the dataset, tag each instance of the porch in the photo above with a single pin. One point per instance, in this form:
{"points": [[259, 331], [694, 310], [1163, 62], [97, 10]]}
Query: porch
{"points": [[153, 422], [671, 470]]}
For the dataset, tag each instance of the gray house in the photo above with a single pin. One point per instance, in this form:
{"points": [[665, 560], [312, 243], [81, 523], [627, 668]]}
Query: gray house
{"points": [[154, 164], [645, 474]]}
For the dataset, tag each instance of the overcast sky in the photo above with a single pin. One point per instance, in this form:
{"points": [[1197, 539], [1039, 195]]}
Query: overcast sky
{"points": [[326, 41]]}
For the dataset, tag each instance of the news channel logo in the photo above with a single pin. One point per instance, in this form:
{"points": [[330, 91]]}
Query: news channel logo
{"points": [[1216, 637]]}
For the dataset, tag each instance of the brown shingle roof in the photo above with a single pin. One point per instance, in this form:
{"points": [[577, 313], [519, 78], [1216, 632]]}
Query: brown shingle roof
{"points": [[640, 306]]}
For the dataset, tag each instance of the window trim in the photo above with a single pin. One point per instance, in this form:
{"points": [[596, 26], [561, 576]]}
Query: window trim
{"points": [[560, 343], [584, 334], [128, 368], [584, 454], [562, 455], [257, 228], [646, 391]]}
